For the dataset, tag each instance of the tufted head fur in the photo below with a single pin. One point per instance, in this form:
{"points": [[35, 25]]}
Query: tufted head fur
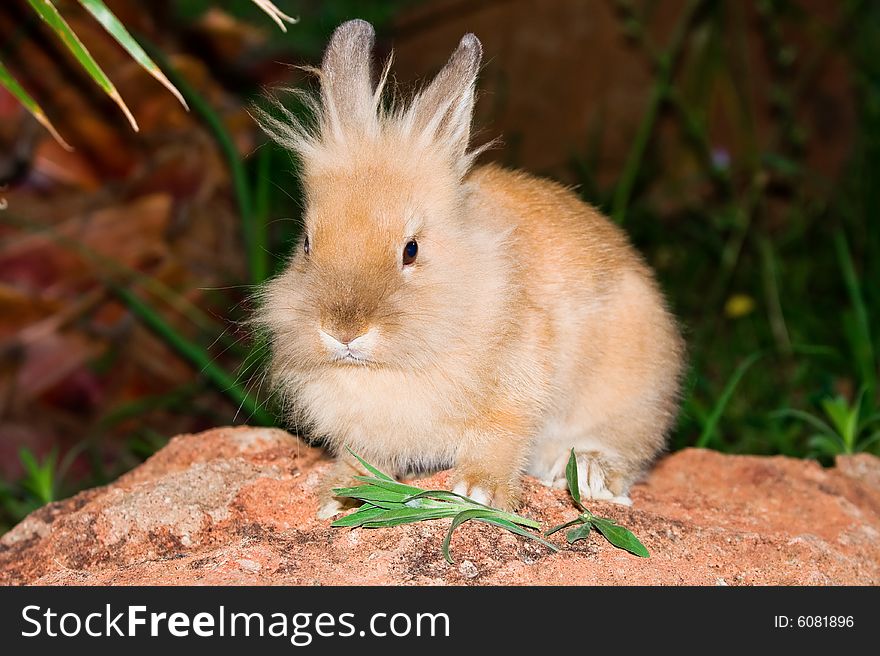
{"points": [[351, 120]]}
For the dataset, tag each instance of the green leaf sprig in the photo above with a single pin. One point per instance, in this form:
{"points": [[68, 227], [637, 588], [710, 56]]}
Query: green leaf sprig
{"points": [[617, 535], [49, 13], [389, 503]]}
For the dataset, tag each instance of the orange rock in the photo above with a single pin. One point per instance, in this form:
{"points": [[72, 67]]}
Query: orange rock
{"points": [[237, 506]]}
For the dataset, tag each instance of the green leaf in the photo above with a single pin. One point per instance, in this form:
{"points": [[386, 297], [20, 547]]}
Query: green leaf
{"points": [[581, 532], [40, 478], [806, 417], [571, 476], [369, 493], [47, 11], [843, 419], [457, 521], [620, 537], [12, 85], [362, 515], [117, 30], [375, 472], [408, 516], [513, 528], [830, 445], [452, 497], [394, 486], [384, 507], [562, 526], [446, 495]]}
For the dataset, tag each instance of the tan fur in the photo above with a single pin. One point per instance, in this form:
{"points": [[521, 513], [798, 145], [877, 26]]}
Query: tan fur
{"points": [[526, 326]]}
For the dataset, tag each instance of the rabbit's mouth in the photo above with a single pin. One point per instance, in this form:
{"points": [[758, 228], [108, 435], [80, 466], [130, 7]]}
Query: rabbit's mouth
{"points": [[353, 359], [352, 352]]}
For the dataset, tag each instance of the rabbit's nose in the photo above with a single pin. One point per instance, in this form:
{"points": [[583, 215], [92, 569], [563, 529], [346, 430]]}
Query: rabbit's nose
{"points": [[346, 336]]}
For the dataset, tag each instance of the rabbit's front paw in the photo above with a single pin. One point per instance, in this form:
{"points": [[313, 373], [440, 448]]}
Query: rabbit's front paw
{"points": [[329, 508], [497, 494]]}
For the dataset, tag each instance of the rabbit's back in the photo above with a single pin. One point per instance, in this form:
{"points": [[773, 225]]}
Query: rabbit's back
{"points": [[617, 353]]}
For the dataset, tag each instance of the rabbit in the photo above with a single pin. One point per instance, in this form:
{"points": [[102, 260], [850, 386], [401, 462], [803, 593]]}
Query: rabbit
{"points": [[439, 314]]}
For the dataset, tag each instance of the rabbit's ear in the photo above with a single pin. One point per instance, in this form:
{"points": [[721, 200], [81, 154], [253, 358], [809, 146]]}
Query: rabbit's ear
{"points": [[444, 109], [346, 76]]}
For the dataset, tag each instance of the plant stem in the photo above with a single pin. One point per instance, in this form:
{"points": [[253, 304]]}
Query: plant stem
{"points": [[667, 63]]}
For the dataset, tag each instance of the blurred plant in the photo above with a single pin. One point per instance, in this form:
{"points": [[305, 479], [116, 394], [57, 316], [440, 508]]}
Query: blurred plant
{"points": [[47, 11], [40, 477], [36, 488], [846, 431]]}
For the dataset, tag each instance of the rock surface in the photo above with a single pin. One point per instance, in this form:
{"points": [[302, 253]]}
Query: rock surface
{"points": [[237, 506]]}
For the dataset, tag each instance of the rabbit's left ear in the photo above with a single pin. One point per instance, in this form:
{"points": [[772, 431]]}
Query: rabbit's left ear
{"points": [[346, 77], [444, 109]]}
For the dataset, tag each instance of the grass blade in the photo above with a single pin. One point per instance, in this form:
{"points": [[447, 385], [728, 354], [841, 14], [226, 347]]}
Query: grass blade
{"points": [[513, 528], [47, 11], [806, 417], [868, 442], [361, 516], [230, 153], [458, 520], [375, 472], [452, 497], [12, 85], [260, 229], [715, 416], [445, 495], [829, 445], [409, 516], [369, 493], [863, 346], [117, 30], [394, 486], [562, 526], [194, 354]]}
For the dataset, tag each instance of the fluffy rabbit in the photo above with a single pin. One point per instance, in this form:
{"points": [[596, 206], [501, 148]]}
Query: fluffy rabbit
{"points": [[435, 314]]}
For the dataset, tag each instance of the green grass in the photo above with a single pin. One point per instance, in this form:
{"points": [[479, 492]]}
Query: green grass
{"points": [[387, 503], [846, 429]]}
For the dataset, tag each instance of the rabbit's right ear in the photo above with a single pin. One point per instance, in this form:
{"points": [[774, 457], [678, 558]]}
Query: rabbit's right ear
{"points": [[347, 78], [443, 111]]}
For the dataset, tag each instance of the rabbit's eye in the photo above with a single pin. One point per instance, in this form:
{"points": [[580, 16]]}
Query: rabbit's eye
{"points": [[410, 251], [306, 248]]}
